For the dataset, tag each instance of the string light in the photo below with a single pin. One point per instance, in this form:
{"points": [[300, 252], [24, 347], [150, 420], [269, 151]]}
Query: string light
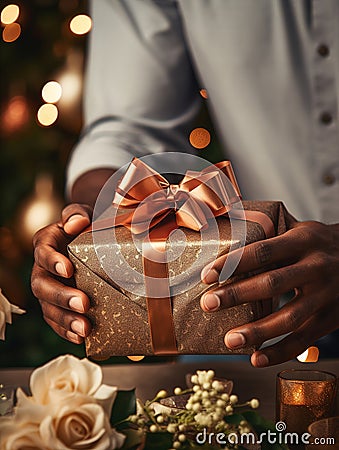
{"points": [[11, 32], [47, 114], [309, 355], [51, 92], [200, 138], [81, 24], [9, 14]]}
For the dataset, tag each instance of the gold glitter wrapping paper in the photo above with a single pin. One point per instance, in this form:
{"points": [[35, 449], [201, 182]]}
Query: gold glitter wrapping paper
{"points": [[119, 318]]}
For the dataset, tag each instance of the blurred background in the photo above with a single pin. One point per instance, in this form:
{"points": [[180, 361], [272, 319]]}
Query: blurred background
{"points": [[42, 55], [43, 46]]}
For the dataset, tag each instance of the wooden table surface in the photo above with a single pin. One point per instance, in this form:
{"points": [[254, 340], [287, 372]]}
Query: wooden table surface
{"points": [[149, 378]]}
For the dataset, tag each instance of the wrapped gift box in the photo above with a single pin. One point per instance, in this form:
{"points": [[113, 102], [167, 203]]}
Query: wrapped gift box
{"points": [[119, 313]]}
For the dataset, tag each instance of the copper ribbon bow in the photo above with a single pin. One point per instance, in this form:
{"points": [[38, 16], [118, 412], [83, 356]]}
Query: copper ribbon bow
{"points": [[150, 201]]}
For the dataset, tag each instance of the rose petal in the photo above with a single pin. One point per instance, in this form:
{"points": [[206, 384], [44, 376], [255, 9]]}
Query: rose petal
{"points": [[105, 396], [65, 376]]}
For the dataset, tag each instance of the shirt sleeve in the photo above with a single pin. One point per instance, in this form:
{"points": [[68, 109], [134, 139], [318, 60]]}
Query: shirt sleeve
{"points": [[140, 93]]}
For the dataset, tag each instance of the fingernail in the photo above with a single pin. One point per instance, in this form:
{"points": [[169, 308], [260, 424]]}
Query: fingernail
{"points": [[235, 340], [209, 275], [262, 361], [76, 304], [73, 337], [61, 269], [211, 302], [75, 217], [78, 327]]}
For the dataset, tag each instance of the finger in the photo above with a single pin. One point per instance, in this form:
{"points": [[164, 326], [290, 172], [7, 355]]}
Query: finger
{"points": [[70, 336], [65, 320], [286, 320], [323, 322], [259, 287], [49, 243], [49, 290], [257, 255], [76, 217]]}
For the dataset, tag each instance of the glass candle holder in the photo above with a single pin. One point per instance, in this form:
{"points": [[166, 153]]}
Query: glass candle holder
{"points": [[303, 397], [324, 434]]}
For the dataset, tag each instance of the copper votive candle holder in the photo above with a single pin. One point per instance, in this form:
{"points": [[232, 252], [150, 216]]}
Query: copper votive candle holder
{"points": [[324, 434], [303, 397]]}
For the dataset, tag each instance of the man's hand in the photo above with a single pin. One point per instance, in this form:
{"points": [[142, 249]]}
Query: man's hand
{"points": [[62, 305], [305, 258]]}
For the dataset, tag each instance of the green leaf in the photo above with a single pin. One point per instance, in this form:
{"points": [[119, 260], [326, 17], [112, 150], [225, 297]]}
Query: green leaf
{"points": [[234, 419], [159, 441], [134, 437], [124, 406]]}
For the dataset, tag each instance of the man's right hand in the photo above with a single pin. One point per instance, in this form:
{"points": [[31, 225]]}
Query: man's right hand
{"points": [[63, 305]]}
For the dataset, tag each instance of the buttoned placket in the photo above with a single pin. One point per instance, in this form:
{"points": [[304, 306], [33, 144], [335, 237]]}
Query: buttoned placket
{"points": [[325, 103]]}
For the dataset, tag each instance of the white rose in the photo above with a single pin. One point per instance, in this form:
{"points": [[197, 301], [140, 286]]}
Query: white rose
{"points": [[21, 431], [6, 310], [80, 424], [66, 376], [18, 436]]}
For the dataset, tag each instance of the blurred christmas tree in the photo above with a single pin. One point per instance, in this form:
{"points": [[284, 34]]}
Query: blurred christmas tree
{"points": [[42, 51], [43, 44]]}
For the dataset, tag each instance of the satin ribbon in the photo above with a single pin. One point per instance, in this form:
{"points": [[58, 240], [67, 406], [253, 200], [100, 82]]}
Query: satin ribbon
{"points": [[151, 200]]}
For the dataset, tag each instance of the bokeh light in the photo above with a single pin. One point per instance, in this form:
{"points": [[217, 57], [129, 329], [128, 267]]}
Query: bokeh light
{"points": [[16, 114], [135, 358], [9, 14], [11, 32], [200, 138], [203, 93], [51, 92], [47, 114], [81, 24], [309, 356]]}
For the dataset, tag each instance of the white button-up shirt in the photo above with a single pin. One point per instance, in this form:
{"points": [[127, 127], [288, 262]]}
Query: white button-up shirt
{"points": [[271, 70]]}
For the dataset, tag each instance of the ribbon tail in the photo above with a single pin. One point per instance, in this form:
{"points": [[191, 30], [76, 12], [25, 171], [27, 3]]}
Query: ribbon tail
{"points": [[158, 298]]}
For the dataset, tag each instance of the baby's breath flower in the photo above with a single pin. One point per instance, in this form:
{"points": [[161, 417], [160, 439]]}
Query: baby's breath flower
{"points": [[194, 379], [221, 403], [233, 399], [206, 385], [172, 427], [176, 444], [229, 409], [161, 394], [205, 394], [217, 386], [254, 403], [181, 438], [225, 397], [196, 388], [182, 427], [196, 407], [207, 403], [160, 419], [153, 428], [210, 374], [177, 391]]}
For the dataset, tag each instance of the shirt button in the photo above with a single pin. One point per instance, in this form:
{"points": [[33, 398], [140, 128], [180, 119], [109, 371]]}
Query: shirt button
{"points": [[323, 50], [326, 118], [328, 179]]}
